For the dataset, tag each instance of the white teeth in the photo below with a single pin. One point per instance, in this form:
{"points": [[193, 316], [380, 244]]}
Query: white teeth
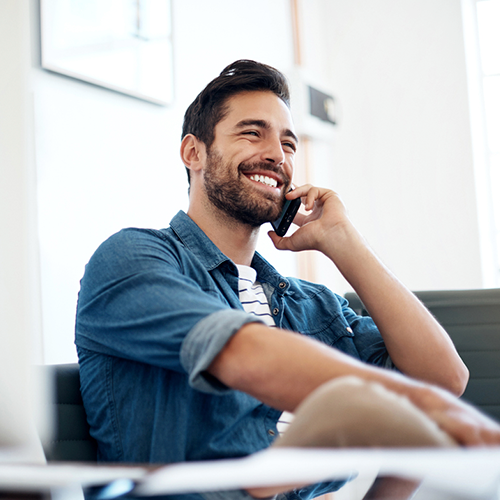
{"points": [[268, 181]]}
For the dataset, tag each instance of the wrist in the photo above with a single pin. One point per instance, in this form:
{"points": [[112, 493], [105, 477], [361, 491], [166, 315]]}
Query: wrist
{"points": [[417, 392], [340, 240], [424, 396]]}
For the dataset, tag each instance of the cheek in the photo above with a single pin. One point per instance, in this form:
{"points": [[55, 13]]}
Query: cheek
{"points": [[289, 169]]}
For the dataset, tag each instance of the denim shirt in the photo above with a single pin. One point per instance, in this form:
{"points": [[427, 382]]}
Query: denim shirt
{"points": [[154, 310]]}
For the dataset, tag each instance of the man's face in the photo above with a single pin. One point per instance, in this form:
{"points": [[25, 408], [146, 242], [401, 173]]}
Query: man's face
{"points": [[250, 163]]}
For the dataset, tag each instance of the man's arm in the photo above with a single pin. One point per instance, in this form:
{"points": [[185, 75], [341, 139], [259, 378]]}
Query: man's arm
{"points": [[281, 368], [416, 342]]}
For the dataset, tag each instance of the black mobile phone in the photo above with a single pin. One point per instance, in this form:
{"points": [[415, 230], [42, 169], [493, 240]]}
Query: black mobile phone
{"points": [[282, 223]]}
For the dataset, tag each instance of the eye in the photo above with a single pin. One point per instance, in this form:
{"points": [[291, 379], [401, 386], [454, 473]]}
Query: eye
{"points": [[291, 146], [251, 132]]}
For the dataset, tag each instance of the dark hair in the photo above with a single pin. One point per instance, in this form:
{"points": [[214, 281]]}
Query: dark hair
{"points": [[210, 106]]}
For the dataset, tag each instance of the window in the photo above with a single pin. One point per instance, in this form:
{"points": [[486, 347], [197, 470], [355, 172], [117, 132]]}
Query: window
{"points": [[482, 43], [488, 21]]}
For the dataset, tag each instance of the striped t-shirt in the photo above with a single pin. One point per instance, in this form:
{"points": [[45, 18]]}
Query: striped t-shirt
{"points": [[254, 301], [252, 296]]}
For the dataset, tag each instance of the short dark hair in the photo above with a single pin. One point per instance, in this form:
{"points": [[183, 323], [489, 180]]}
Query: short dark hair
{"points": [[210, 106]]}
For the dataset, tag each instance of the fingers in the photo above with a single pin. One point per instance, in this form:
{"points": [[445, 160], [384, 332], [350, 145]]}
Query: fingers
{"points": [[298, 192], [468, 425], [465, 433], [325, 211], [308, 193]]}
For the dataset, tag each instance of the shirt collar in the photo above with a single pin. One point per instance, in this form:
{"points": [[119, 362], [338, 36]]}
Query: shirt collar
{"points": [[197, 241], [266, 273], [211, 257]]}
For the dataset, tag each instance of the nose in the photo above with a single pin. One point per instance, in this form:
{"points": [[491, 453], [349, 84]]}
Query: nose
{"points": [[273, 152]]}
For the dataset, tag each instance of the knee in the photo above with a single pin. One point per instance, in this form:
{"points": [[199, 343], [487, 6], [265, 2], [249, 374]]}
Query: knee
{"points": [[352, 412]]}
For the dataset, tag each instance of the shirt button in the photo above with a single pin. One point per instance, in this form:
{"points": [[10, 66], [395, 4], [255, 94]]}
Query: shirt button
{"points": [[271, 432], [282, 285], [349, 329], [276, 311]]}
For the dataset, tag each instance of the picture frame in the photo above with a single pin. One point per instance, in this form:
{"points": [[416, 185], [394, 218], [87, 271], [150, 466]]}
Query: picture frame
{"points": [[122, 45]]}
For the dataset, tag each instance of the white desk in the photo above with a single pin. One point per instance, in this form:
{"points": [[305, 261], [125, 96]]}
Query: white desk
{"points": [[471, 473]]}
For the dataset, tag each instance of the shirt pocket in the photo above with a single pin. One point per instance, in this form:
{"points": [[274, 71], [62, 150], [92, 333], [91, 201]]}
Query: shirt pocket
{"points": [[319, 316], [330, 332]]}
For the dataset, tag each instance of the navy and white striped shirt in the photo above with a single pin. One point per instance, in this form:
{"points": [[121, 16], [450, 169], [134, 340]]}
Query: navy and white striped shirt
{"points": [[252, 296], [254, 301]]}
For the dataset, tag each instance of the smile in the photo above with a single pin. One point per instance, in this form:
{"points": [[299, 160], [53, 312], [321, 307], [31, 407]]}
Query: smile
{"points": [[264, 179]]}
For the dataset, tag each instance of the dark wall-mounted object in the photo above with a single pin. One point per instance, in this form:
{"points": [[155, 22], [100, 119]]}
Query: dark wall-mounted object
{"points": [[322, 105]]}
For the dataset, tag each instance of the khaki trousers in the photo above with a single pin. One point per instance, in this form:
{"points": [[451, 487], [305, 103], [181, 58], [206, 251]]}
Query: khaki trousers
{"points": [[351, 412]]}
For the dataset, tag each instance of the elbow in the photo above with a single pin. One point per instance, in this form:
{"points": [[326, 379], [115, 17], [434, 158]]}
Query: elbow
{"points": [[457, 383]]}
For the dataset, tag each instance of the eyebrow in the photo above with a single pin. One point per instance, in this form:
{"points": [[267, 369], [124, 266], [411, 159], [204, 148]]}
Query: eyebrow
{"points": [[265, 125]]}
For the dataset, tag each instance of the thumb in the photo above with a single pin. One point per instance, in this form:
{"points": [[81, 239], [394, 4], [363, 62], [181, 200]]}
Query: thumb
{"points": [[281, 243]]}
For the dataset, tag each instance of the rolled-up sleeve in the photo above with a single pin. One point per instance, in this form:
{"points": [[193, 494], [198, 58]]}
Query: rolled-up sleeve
{"points": [[204, 342], [140, 301]]}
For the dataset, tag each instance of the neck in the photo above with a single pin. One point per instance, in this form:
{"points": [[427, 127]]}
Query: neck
{"points": [[234, 239]]}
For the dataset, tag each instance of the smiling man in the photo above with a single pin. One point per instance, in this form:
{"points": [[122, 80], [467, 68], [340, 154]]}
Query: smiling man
{"points": [[191, 345], [232, 158]]}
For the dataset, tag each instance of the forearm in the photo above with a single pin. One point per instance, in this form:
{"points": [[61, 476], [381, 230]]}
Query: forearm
{"points": [[281, 368], [416, 342]]}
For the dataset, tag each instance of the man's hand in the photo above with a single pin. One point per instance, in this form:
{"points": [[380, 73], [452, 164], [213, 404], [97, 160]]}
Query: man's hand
{"points": [[417, 344], [282, 368], [327, 213], [466, 424]]}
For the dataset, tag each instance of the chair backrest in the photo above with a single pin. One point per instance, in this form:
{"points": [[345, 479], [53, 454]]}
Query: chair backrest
{"points": [[72, 440], [472, 320]]}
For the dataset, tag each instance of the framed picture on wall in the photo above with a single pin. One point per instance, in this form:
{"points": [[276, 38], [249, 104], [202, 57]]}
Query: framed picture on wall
{"points": [[123, 45]]}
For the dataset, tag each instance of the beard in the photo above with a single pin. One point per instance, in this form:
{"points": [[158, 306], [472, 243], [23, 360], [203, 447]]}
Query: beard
{"points": [[225, 190]]}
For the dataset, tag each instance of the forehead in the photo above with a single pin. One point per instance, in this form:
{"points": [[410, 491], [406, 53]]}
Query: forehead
{"points": [[257, 105]]}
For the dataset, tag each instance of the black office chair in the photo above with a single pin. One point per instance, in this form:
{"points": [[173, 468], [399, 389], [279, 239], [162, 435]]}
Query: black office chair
{"points": [[72, 440], [472, 320]]}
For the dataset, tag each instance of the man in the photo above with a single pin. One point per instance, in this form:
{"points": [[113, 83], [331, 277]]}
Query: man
{"points": [[174, 364]]}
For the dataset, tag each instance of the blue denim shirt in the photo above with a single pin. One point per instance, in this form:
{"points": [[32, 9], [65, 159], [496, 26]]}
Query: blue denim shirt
{"points": [[154, 310]]}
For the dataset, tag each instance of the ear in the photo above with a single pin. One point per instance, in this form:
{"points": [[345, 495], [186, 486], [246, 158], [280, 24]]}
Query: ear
{"points": [[193, 152]]}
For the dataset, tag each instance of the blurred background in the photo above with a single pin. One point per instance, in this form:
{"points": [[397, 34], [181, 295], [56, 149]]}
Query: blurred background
{"points": [[90, 124]]}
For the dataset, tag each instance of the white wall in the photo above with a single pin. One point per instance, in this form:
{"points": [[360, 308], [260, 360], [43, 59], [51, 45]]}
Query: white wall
{"points": [[18, 244], [20, 327], [401, 156], [107, 161]]}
